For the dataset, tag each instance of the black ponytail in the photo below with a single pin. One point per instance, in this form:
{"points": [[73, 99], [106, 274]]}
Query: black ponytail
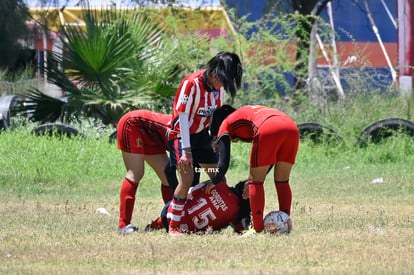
{"points": [[228, 69]]}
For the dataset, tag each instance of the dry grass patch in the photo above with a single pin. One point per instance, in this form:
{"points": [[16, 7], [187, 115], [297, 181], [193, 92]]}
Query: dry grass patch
{"points": [[44, 236]]}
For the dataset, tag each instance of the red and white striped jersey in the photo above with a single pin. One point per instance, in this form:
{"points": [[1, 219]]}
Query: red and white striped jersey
{"points": [[196, 98]]}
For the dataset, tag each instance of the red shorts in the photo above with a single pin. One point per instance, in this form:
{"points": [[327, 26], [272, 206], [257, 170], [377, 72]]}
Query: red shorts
{"points": [[277, 140], [138, 140]]}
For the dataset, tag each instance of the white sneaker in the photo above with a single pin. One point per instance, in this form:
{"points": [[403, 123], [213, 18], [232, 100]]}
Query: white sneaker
{"points": [[129, 229]]}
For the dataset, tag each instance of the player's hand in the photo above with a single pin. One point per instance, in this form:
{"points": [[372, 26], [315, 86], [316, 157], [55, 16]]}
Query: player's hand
{"points": [[210, 185], [186, 162], [184, 165]]}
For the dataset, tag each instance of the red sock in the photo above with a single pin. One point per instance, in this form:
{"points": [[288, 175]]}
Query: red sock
{"points": [[157, 224], [257, 203], [167, 193], [175, 212], [284, 195], [128, 191]]}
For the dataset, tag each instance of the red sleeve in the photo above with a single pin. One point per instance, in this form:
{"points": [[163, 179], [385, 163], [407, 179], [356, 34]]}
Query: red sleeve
{"points": [[196, 190], [162, 118], [225, 128]]}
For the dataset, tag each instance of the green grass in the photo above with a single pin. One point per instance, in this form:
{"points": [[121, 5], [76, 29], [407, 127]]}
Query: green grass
{"points": [[50, 189], [39, 164]]}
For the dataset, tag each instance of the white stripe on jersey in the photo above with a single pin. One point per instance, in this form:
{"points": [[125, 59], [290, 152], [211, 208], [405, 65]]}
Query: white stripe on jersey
{"points": [[196, 103], [222, 94], [202, 125], [183, 98], [189, 105]]}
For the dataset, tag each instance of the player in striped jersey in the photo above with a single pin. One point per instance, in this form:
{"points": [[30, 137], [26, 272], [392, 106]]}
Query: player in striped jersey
{"points": [[141, 137], [199, 94], [275, 140]]}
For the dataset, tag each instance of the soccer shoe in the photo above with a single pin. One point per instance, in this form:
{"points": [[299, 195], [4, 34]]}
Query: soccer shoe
{"points": [[175, 232], [251, 233], [129, 229], [155, 225]]}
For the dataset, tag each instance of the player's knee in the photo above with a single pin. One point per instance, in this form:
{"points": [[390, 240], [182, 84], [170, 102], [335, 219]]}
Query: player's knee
{"points": [[134, 176]]}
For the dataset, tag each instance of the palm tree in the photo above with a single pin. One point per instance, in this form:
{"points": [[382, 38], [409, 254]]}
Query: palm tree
{"points": [[115, 63]]}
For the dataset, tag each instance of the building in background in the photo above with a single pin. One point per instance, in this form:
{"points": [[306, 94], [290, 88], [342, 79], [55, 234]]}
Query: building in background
{"points": [[374, 34], [48, 19]]}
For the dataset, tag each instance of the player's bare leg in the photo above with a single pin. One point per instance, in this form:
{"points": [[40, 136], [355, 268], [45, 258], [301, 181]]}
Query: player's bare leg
{"points": [[186, 177], [282, 171], [134, 164], [284, 193], [158, 163]]}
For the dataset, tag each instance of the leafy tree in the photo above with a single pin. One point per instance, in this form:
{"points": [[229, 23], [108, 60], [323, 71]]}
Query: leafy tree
{"points": [[121, 60], [310, 10], [301, 15], [98, 64], [13, 14], [262, 48]]}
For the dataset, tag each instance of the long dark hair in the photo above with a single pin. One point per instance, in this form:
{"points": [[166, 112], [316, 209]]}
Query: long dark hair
{"points": [[218, 116], [228, 70], [245, 211]]}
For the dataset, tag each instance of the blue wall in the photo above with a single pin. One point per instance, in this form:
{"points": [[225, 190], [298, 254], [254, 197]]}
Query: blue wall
{"points": [[351, 24], [353, 18], [349, 15]]}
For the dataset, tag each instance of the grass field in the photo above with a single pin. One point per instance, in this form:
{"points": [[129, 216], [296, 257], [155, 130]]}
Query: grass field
{"points": [[344, 223]]}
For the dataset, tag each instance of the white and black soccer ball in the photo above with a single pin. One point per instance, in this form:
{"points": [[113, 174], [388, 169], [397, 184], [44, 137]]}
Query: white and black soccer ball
{"points": [[277, 222]]}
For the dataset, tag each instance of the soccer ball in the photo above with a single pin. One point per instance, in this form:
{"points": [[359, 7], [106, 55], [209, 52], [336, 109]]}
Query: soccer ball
{"points": [[277, 222]]}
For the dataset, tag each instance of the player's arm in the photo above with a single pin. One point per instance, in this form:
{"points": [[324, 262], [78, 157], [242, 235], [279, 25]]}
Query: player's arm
{"points": [[186, 156], [224, 158], [183, 107]]}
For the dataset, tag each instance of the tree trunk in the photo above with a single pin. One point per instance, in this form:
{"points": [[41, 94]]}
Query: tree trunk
{"points": [[302, 54], [314, 85], [303, 34]]}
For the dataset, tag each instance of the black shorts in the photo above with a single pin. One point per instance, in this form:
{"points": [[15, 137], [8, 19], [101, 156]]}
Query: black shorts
{"points": [[170, 173], [201, 149]]}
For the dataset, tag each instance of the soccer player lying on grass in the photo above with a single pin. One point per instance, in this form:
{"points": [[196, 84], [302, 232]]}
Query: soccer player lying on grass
{"points": [[275, 140], [204, 212]]}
